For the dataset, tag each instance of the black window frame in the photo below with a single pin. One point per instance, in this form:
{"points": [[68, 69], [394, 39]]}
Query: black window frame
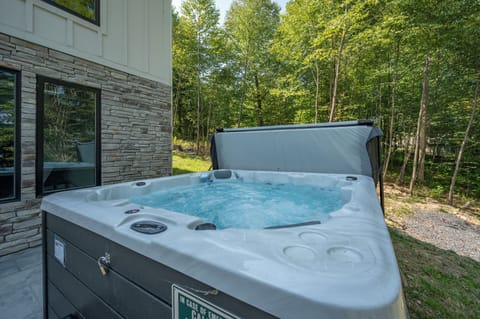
{"points": [[41, 80], [95, 20], [17, 139]]}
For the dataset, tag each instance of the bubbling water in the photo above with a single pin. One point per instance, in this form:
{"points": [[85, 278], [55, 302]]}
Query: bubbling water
{"points": [[247, 205]]}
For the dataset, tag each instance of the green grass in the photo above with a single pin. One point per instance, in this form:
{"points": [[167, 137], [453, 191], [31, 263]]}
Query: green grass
{"points": [[184, 163], [438, 284]]}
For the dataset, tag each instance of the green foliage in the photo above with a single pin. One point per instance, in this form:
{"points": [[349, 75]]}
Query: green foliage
{"points": [[196, 59], [251, 25], [264, 68]]}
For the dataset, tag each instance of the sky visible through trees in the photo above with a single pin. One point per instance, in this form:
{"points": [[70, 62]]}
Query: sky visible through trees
{"points": [[224, 5], [413, 66]]}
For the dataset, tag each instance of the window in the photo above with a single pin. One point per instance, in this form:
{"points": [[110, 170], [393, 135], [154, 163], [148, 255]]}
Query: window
{"points": [[9, 135], [68, 132], [86, 9]]}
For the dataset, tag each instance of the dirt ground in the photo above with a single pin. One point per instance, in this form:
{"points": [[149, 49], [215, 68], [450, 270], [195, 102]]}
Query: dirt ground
{"points": [[447, 227]]}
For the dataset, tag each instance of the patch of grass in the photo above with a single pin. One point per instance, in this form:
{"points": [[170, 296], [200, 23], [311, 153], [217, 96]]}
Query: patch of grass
{"points": [[401, 211], [185, 163], [437, 283], [438, 193]]}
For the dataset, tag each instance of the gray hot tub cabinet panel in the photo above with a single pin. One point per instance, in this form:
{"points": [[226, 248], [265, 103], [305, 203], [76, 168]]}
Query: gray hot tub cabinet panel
{"points": [[57, 301], [135, 287], [125, 297], [85, 304]]}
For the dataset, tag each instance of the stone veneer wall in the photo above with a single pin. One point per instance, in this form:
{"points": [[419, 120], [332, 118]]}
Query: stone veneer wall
{"points": [[135, 123]]}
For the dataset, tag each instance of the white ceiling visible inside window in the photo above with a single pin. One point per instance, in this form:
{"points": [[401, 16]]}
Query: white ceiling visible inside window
{"points": [[224, 5]]}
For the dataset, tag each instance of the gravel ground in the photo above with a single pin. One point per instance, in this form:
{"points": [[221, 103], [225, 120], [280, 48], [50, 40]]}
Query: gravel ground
{"points": [[446, 231]]}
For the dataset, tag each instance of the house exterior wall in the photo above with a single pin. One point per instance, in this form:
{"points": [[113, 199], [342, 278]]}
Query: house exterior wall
{"points": [[133, 36], [135, 128]]}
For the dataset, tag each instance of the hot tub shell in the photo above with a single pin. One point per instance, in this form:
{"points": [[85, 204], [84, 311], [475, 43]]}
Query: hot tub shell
{"points": [[343, 268]]}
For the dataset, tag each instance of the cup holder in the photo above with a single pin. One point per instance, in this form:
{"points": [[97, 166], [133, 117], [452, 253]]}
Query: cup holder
{"points": [[148, 227]]}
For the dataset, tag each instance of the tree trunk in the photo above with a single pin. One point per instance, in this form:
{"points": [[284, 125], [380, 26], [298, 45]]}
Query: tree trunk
{"points": [[316, 74], [176, 105], [244, 88], [462, 146], [422, 148], [421, 123], [392, 113], [209, 121], [337, 76], [317, 86], [337, 69], [259, 102], [198, 94], [379, 104], [406, 158], [390, 130], [197, 143]]}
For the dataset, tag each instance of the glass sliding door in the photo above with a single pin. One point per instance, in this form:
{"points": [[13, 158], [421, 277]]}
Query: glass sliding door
{"points": [[9, 135], [69, 133]]}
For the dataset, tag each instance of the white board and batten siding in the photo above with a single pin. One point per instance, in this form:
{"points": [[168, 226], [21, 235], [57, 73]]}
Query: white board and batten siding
{"points": [[134, 36]]}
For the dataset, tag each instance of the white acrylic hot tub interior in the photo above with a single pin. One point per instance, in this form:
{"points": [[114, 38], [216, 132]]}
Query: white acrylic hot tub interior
{"points": [[126, 193], [344, 267], [231, 201]]}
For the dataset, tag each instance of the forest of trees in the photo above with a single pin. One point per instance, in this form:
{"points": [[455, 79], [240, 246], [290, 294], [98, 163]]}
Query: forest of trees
{"points": [[413, 66]]}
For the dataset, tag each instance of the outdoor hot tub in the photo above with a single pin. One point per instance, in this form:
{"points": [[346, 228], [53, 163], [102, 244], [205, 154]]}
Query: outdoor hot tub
{"points": [[228, 243]]}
